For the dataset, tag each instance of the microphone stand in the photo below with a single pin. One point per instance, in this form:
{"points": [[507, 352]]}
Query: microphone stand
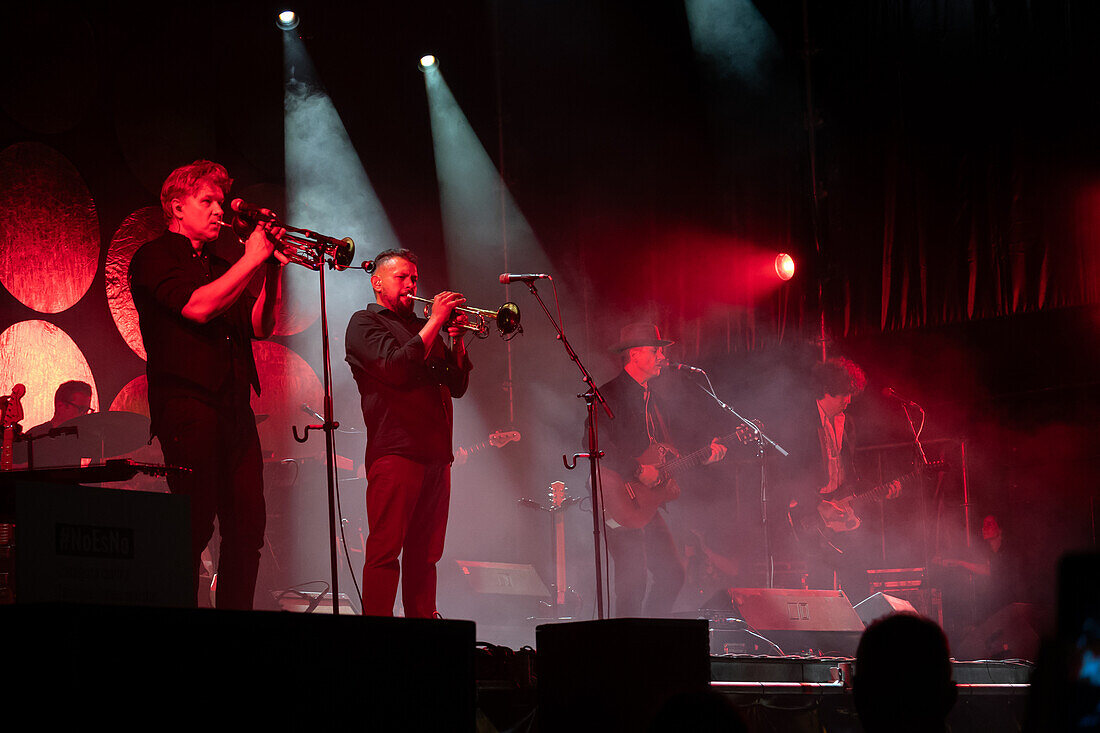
{"points": [[590, 397], [329, 426], [762, 442]]}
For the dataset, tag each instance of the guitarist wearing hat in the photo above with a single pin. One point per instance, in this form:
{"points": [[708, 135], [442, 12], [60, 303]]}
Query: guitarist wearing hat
{"points": [[632, 445]]}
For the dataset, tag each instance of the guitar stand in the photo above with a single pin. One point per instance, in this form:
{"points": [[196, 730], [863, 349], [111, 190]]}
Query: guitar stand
{"points": [[590, 397]]}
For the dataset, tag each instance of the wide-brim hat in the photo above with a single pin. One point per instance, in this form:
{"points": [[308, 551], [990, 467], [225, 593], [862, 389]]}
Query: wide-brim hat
{"points": [[639, 334]]}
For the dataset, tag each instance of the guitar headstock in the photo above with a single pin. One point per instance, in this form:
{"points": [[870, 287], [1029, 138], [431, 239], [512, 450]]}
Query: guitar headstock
{"points": [[13, 409], [503, 437], [940, 466], [747, 435], [557, 494]]}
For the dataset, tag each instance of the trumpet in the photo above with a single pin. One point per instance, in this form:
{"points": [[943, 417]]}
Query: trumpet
{"points": [[506, 318], [301, 246]]}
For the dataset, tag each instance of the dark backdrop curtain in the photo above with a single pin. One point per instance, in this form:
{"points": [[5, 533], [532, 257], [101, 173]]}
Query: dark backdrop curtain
{"points": [[957, 147]]}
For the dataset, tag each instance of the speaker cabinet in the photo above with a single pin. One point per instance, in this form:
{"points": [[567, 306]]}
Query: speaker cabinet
{"points": [[879, 605], [618, 673], [195, 669], [795, 620]]}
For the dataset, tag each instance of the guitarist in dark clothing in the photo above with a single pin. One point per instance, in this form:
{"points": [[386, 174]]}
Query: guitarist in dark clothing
{"points": [[820, 463], [641, 421]]}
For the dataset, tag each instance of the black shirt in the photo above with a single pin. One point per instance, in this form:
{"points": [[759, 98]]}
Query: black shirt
{"points": [[806, 469], [210, 361], [626, 437], [406, 398]]}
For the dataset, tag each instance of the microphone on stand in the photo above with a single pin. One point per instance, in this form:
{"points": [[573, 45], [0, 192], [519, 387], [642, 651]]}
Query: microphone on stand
{"points": [[252, 212], [890, 392], [685, 368], [528, 278]]}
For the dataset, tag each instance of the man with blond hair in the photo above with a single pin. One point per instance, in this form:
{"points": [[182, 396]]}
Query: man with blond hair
{"points": [[197, 320]]}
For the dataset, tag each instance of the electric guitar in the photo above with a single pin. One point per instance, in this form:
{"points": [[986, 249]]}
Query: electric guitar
{"points": [[499, 439], [13, 413], [630, 503], [834, 513]]}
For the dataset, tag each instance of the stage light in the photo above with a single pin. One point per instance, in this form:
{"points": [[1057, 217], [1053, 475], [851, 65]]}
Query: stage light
{"points": [[784, 266], [427, 61], [288, 20]]}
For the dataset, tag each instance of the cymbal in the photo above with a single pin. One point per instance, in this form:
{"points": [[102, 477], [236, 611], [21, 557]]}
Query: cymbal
{"points": [[114, 432]]}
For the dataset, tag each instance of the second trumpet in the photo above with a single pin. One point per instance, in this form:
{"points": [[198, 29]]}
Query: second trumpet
{"points": [[506, 318]]}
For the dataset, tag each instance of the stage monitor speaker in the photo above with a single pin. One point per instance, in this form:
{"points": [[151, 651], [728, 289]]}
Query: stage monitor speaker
{"points": [[796, 620], [492, 593], [880, 605], [616, 674]]}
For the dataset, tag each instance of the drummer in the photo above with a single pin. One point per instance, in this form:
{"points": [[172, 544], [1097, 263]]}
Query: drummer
{"points": [[71, 400]]}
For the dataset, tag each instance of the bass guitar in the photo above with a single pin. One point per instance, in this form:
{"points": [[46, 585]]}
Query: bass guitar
{"points": [[835, 512]]}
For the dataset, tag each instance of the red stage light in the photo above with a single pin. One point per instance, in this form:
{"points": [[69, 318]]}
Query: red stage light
{"points": [[784, 266]]}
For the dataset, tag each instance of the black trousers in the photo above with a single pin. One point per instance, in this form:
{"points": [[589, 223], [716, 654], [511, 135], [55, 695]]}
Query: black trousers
{"points": [[220, 445], [637, 554]]}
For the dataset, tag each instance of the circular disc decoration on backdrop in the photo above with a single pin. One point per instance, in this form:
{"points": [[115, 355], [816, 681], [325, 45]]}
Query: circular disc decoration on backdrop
{"points": [[49, 231], [134, 397], [287, 382], [139, 227], [51, 69], [41, 356]]}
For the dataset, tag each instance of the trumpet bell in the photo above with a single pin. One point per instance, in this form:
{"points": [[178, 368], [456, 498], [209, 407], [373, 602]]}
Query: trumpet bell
{"points": [[345, 253], [508, 319]]}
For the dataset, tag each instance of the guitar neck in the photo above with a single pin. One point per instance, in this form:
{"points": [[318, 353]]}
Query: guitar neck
{"points": [[881, 490], [6, 453], [694, 458]]}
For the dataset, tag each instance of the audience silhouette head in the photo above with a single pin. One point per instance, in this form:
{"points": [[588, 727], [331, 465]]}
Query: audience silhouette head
{"points": [[903, 676]]}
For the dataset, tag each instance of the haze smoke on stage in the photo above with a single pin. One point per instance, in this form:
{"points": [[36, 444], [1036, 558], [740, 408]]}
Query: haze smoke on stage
{"points": [[734, 38]]}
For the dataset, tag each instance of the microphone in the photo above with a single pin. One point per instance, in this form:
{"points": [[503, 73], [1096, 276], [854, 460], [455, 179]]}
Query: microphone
{"points": [[686, 368], [509, 277], [251, 212], [889, 392]]}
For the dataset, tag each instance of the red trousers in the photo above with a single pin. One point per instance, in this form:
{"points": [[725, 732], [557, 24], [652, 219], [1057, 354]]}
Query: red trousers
{"points": [[407, 505]]}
